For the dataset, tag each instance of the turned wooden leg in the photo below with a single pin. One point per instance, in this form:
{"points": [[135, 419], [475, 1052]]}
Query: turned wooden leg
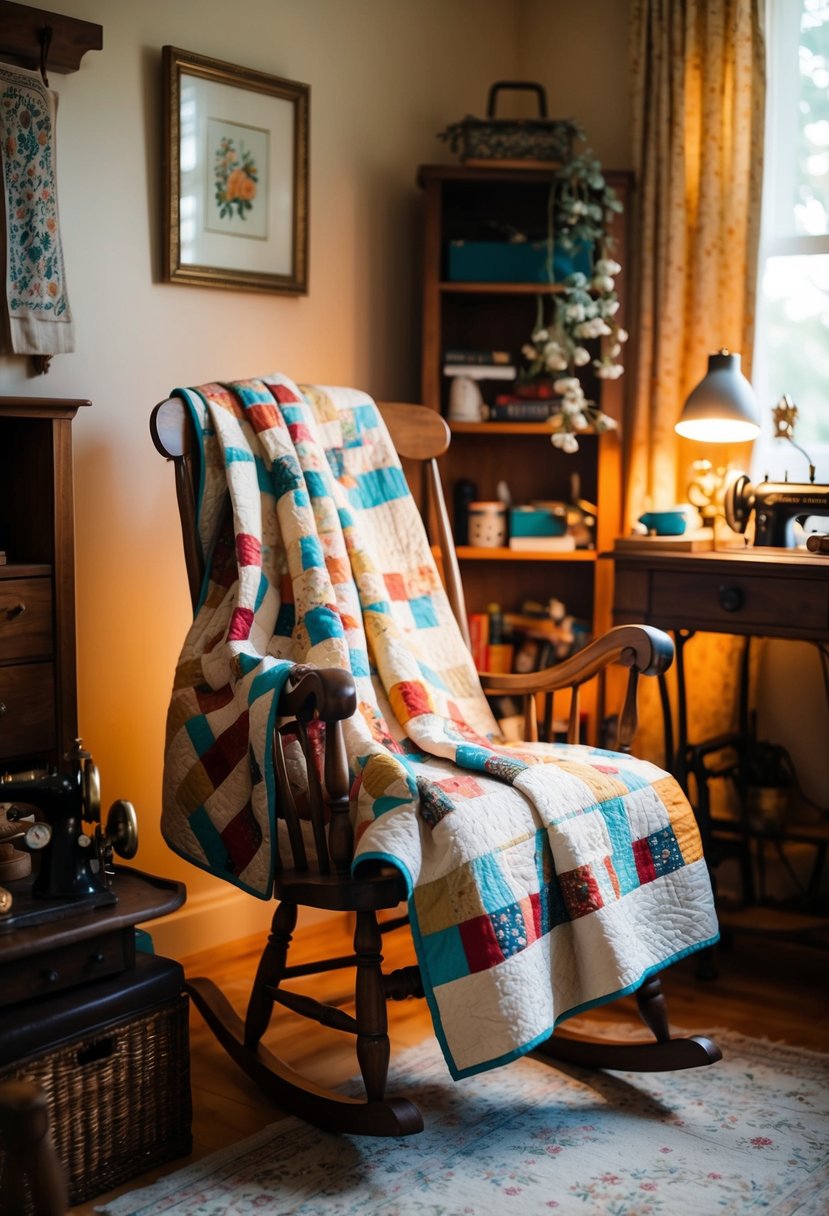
{"points": [[372, 1021], [30, 1156], [269, 973], [652, 1008]]}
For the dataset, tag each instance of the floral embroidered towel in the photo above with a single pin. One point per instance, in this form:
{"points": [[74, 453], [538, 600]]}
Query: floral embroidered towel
{"points": [[38, 318]]}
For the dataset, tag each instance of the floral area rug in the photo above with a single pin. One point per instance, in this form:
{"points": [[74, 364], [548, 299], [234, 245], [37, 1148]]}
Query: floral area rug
{"points": [[749, 1134]]}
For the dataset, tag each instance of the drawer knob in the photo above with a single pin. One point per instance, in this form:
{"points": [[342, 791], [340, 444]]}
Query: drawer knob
{"points": [[15, 611], [731, 598], [51, 977], [3, 708]]}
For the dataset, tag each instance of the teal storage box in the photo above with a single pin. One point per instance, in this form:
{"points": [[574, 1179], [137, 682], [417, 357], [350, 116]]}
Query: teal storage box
{"points": [[536, 521], [514, 262]]}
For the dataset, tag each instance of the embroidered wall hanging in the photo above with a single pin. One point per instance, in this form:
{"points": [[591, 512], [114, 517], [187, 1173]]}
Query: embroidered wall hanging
{"points": [[38, 320]]}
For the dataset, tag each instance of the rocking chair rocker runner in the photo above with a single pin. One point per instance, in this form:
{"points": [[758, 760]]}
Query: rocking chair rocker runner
{"points": [[325, 881]]}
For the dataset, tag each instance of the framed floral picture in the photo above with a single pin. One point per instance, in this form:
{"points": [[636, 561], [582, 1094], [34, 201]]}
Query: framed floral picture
{"points": [[235, 176]]}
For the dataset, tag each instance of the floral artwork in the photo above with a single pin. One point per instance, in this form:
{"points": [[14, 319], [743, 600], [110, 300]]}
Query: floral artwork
{"points": [[236, 178], [35, 274], [236, 163]]}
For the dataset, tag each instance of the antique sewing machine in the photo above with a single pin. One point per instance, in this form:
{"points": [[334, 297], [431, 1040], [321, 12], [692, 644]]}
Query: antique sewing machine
{"points": [[777, 505], [50, 864]]}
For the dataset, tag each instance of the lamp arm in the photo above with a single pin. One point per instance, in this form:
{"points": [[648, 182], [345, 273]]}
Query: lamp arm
{"points": [[806, 455]]}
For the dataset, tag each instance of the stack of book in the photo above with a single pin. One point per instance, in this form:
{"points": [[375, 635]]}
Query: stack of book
{"points": [[479, 364]]}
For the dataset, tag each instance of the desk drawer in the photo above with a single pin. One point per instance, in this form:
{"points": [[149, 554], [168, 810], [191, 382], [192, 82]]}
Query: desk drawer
{"points": [[27, 709], [25, 619], [54, 970], [743, 601]]}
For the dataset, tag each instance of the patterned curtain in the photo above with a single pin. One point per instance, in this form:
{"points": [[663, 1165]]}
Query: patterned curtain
{"points": [[698, 114]]}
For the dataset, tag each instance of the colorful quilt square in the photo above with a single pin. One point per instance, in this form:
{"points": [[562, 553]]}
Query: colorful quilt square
{"points": [[511, 930], [423, 611], [435, 803], [444, 955], [665, 852], [581, 891], [396, 586]]}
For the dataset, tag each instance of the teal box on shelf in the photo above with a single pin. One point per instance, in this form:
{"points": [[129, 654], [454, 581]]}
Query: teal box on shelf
{"points": [[514, 261], [536, 521]]}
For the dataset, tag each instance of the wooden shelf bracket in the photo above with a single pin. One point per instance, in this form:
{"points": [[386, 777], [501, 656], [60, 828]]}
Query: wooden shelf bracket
{"points": [[37, 39]]}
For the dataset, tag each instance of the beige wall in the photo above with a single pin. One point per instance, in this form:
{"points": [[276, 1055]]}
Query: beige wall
{"points": [[385, 76]]}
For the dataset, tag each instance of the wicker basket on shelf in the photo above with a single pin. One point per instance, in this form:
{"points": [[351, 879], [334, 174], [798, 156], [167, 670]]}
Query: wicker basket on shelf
{"points": [[539, 140]]}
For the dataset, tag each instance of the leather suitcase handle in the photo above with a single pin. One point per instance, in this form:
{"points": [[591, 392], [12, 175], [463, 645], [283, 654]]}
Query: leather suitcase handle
{"points": [[522, 85]]}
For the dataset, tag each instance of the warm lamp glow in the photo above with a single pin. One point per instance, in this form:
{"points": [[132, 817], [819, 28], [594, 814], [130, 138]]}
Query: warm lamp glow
{"points": [[722, 408]]}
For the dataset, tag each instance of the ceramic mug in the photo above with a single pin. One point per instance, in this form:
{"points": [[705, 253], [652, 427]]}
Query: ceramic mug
{"points": [[487, 525]]}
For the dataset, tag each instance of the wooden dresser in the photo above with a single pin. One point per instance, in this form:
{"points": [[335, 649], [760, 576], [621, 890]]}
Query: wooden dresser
{"points": [[38, 693]]}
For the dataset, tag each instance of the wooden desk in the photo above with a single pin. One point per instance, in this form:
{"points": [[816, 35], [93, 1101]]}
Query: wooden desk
{"points": [[755, 592], [762, 592], [752, 591]]}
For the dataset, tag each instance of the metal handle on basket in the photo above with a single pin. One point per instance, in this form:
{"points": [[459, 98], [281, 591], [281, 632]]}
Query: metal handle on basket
{"points": [[524, 86]]}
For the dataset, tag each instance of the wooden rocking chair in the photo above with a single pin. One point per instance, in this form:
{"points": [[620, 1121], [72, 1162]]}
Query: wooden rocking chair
{"points": [[420, 435]]}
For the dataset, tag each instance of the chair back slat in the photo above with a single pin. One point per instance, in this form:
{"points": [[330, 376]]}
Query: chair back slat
{"points": [[530, 718], [573, 724], [287, 806]]}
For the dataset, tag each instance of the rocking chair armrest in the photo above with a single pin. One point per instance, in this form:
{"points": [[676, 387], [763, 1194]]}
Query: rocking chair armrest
{"points": [[643, 648], [327, 693]]}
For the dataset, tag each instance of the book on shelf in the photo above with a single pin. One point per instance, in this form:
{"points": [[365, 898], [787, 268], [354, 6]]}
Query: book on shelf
{"points": [[473, 356], [479, 638], [542, 544], [699, 541], [481, 371], [516, 409]]}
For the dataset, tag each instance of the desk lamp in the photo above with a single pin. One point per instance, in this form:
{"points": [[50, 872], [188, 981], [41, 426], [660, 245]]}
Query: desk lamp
{"points": [[721, 409]]}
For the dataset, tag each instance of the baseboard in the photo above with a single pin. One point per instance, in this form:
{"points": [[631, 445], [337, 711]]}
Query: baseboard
{"points": [[211, 918]]}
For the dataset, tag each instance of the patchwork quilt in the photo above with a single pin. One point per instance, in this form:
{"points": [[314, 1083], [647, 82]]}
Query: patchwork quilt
{"points": [[542, 879]]}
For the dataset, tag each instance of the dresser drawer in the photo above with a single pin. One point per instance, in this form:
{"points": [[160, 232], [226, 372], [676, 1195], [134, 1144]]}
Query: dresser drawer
{"points": [[27, 709], [755, 602], [26, 628]]}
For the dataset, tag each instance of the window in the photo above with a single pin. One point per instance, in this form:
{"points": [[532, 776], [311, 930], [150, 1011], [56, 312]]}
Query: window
{"points": [[792, 340]]}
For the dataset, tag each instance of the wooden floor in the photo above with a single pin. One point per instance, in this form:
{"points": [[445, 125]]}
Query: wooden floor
{"points": [[764, 988]]}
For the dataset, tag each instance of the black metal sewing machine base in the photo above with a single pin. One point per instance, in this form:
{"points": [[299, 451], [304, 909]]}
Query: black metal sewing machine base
{"points": [[29, 909]]}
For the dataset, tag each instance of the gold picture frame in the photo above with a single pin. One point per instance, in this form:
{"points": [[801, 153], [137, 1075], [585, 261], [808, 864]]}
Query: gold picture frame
{"points": [[235, 176]]}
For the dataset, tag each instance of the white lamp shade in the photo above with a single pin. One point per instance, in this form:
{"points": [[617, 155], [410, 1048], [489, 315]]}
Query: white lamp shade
{"points": [[722, 408]]}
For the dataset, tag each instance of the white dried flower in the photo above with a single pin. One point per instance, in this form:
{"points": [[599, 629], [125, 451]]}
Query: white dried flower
{"points": [[581, 356], [564, 440], [567, 384], [579, 422], [574, 312], [602, 282], [609, 371], [609, 308], [622, 335], [607, 266]]}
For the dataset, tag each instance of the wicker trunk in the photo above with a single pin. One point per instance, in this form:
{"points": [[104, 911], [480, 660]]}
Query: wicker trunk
{"points": [[118, 1093]]}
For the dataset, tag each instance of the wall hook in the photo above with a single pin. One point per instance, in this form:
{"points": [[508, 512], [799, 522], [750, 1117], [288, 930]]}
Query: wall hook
{"points": [[44, 37]]}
